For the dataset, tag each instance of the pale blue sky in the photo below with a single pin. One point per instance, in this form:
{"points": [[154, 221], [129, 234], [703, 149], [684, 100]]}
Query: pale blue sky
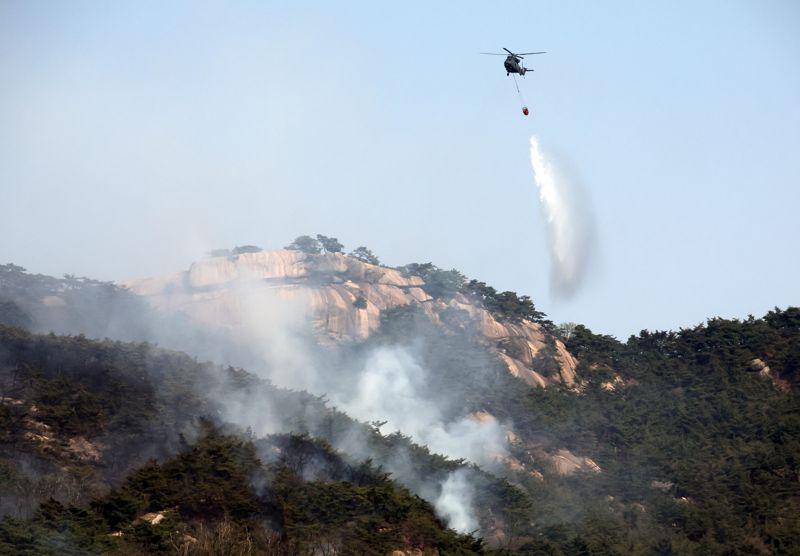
{"points": [[134, 136]]}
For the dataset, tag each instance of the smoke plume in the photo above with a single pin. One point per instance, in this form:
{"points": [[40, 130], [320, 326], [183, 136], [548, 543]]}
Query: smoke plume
{"points": [[455, 503], [395, 382], [392, 386], [387, 383], [570, 223]]}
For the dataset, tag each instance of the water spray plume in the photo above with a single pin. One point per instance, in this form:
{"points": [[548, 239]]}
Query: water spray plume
{"points": [[569, 220]]}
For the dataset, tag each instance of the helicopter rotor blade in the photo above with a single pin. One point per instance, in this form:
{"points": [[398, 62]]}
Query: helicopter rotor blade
{"points": [[493, 53], [507, 50], [527, 53]]}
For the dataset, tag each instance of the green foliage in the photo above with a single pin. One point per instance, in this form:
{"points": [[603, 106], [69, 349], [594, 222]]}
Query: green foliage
{"points": [[56, 529], [78, 390], [306, 244], [440, 284], [92, 307], [691, 414], [373, 516], [784, 327], [77, 414], [329, 244], [690, 411], [133, 398], [209, 480], [565, 330], [364, 255], [218, 485], [241, 249], [12, 315], [360, 302], [505, 306]]}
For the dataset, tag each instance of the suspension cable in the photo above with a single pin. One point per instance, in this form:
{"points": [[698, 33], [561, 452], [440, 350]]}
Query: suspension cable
{"points": [[519, 94]]}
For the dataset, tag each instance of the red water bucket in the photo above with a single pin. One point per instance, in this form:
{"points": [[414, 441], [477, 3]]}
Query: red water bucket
{"points": [[525, 110]]}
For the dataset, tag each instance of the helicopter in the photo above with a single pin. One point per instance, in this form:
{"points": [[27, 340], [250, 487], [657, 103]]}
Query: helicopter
{"points": [[513, 62]]}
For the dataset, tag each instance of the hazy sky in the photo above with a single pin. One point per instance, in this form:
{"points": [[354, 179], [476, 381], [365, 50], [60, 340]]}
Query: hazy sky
{"points": [[135, 136]]}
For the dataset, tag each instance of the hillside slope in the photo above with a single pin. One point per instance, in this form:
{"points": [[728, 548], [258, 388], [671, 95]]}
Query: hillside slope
{"points": [[669, 443], [344, 298], [79, 417]]}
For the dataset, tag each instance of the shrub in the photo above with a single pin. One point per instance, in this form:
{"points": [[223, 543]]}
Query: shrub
{"points": [[364, 255], [306, 244]]}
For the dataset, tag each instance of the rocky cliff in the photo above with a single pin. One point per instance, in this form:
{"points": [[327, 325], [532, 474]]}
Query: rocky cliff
{"points": [[343, 299]]}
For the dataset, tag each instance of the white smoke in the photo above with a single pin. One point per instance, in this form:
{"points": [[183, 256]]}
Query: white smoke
{"points": [[390, 385], [570, 223], [275, 328], [455, 503], [393, 387]]}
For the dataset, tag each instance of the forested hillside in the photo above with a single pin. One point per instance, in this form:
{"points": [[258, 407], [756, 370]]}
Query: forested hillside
{"points": [[80, 417], [696, 434], [701, 427], [681, 442]]}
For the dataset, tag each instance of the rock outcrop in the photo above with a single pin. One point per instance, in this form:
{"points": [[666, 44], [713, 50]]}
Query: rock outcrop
{"points": [[343, 298]]}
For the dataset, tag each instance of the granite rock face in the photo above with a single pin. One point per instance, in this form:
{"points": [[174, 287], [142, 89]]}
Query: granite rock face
{"points": [[342, 298]]}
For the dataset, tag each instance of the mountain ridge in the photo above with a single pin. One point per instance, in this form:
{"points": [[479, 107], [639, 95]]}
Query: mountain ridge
{"points": [[344, 298], [669, 443]]}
